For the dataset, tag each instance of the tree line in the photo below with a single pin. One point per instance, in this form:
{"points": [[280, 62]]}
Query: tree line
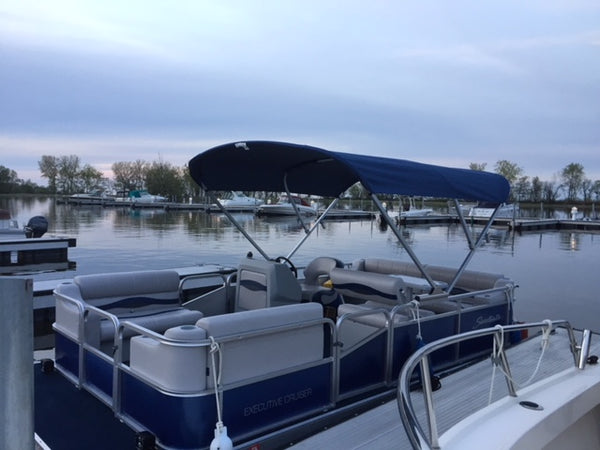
{"points": [[67, 175], [570, 183]]}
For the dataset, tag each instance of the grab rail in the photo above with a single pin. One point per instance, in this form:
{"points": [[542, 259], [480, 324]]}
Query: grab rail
{"points": [[417, 436], [120, 366]]}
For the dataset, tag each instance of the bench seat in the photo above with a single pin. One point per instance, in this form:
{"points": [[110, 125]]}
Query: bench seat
{"points": [[147, 298]]}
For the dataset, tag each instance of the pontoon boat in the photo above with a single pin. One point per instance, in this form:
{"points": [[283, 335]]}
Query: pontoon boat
{"points": [[266, 354]]}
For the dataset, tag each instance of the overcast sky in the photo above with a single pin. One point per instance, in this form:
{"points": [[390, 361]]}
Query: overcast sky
{"points": [[443, 82]]}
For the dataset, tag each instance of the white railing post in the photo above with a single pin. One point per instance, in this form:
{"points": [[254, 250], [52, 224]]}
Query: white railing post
{"points": [[16, 370]]}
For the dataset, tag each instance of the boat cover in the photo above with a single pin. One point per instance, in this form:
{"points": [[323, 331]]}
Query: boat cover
{"points": [[267, 165]]}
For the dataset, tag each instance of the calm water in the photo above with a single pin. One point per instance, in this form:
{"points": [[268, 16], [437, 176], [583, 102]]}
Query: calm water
{"points": [[558, 272]]}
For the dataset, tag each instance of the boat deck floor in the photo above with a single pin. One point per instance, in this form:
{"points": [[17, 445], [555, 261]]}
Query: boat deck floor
{"points": [[69, 418], [461, 393]]}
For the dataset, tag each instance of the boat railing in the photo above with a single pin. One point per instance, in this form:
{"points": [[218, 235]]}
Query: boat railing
{"points": [[223, 283], [84, 346], [416, 372], [120, 366], [508, 290], [387, 327]]}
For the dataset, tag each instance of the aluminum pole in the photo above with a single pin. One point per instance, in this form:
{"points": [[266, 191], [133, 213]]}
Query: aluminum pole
{"points": [[16, 371]]}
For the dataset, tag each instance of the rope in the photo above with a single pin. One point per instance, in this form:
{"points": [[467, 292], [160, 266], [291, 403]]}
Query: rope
{"points": [[495, 355], [546, 331], [214, 349], [417, 316]]}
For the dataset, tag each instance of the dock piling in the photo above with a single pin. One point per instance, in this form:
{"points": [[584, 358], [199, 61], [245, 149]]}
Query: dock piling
{"points": [[16, 371]]}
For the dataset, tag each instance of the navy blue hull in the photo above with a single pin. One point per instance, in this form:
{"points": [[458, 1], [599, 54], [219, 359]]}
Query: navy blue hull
{"points": [[248, 411]]}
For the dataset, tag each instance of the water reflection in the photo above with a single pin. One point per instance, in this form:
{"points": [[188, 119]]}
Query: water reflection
{"points": [[555, 269]]}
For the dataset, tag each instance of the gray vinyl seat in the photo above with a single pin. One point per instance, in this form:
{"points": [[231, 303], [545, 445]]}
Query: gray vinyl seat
{"points": [[315, 274], [363, 286], [262, 284], [146, 298], [253, 344]]}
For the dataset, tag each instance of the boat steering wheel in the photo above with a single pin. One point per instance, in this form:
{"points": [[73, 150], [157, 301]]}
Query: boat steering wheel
{"points": [[285, 260]]}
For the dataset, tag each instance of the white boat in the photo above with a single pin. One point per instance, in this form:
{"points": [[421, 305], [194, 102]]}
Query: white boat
{"points": [[143, 196], [541, 394], [87, 198], [237, 201], [464, 208], [284, 207], [10, 228], [505, 211], [264, 354], [413, 211]]}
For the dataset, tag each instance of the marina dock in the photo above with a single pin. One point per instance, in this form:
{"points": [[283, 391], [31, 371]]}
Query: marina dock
{"points": [[37, 254], [519, 225]]}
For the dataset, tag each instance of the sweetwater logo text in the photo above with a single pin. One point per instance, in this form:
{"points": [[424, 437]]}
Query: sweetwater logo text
{"points": [[277, 402], [482, 321]]}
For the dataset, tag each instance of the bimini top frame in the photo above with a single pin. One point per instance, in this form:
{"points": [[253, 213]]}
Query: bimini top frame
{"points": [[284, 167]]}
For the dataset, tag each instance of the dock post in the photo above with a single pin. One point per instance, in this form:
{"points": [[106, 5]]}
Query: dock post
{"points": [[16, 370]]}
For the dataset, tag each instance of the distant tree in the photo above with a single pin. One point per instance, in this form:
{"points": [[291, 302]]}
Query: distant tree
{"points": [[536, 189], [139, 171], [9, 180], [29, 187], [509, 170], [572, 176], [123, 174], [130, 175], [190, 187], [480, 167], [164, 179], [90, 178], [49, 168], [587, 189], [550, 191], [596, 190], [522, 188], [68, 173]]}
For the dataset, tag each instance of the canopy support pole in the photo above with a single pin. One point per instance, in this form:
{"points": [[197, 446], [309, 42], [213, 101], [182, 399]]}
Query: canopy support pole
{"points": [[463, 223], [474, 248], [404, 243], [236, 223], [315, 225], [289, 194]]}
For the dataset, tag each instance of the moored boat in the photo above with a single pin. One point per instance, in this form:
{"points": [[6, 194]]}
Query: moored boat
{"points": [[143, 196], [269, 352], [411, 210], [291, 205], [485, 211], [238, 201], [9, 228], [546, 396]]}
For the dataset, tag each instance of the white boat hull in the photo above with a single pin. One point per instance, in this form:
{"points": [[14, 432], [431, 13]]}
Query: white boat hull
{"points": [[568, 418], [285, 210]]}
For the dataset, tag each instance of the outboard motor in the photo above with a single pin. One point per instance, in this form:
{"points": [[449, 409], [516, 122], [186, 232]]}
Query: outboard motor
{"points": [[36, 227]]}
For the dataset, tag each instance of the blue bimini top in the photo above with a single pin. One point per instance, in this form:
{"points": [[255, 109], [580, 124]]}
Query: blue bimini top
{"points": [[269, 166]]}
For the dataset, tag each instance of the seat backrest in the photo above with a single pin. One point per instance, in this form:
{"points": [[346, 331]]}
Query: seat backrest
{"points": [[261, 284], [320, 267], [268, 350], [365, 286], [381, 265], [469, 279], [122, 292]]}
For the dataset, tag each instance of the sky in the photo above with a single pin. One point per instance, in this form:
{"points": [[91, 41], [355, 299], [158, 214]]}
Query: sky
{"points": [[440, 82]]}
